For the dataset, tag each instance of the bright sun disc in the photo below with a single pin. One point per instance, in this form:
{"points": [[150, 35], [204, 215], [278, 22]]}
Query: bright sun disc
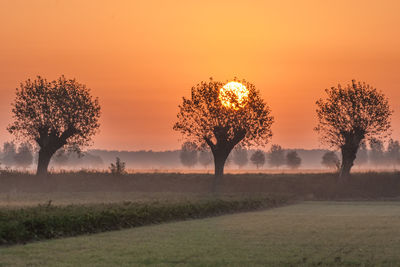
{"points": [[233, 95]]}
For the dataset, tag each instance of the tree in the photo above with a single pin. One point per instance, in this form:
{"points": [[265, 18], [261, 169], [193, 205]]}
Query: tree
{"points": [[362, 155], [276, 156], [393, 152], [377, 155], [331, 160], [240, 156], [56, 114], [24, 156], [258, 158], [205, 158], [60, 158], [188, 154], [9, 152], [221, 116], [348, 116], [293, 160]]}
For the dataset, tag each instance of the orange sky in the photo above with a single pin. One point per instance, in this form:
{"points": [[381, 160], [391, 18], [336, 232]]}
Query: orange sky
{"points": [[141, 57]]}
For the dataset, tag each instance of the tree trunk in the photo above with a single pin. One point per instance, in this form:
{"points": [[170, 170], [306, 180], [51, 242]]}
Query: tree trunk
{"points": [[219, 164], [43, 162], [349, 154]]}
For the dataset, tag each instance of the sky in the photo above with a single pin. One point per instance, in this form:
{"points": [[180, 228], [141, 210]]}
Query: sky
{"points": [[141, 57]]}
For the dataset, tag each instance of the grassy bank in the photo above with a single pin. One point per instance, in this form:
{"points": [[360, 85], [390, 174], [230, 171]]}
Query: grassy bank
{"points": [[20, 225]]}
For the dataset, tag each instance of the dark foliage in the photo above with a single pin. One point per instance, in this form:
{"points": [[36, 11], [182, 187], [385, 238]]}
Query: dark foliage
{"points": [[348, 116], [203, 119], [47, 221], [54, 114]]}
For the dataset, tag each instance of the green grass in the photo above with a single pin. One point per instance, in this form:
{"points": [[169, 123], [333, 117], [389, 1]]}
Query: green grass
{"points": [[310, 233]]}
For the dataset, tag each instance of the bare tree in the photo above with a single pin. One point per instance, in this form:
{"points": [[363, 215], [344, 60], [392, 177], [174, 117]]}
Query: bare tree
{"points": [[276, 156], [54, 114], [293, 160], [188, 154], [348, 116], [222, 119], [258, 158]]}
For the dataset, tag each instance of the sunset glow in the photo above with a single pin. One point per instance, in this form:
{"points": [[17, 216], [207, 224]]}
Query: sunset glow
{"points": [[234, 95], [141, 57]]}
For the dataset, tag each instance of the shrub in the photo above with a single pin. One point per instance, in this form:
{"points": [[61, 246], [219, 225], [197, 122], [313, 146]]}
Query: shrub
{"points": [[47, 221], [118, 168]]}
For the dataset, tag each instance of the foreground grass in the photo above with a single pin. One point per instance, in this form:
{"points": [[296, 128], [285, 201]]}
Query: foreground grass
{"points": [[311, 233]]}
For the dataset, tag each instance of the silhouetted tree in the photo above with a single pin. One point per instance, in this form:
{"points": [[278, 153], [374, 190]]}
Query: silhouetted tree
{"points": [[188, 154], [393, 152], [9, 152], [240, 156], [118, 168], [258, 158], [348, 116], [204, 119], [331, 160], [205, 158], [293, 160], [24, 156], [54, 114], [362, 155], [276, 156], [377, 154]]}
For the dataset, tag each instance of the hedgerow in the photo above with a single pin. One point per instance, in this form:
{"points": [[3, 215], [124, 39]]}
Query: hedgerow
{"points": [[47, 221]]}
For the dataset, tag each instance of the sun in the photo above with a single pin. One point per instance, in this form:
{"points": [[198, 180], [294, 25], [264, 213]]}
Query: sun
{"points": [[234, 95]]}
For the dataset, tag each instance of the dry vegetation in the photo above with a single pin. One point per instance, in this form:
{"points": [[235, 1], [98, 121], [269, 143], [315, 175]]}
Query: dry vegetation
{"points": [[18, 189]]}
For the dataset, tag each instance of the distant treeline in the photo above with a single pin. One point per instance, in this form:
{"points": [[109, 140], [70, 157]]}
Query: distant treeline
{"points": [[374, 155]]}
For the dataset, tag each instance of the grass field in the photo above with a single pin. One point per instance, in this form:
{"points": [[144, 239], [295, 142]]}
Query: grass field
{"points": [[310, 233]]}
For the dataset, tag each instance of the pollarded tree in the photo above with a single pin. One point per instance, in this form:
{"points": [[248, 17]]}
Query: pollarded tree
{"points": [[56, 114], [348, 116], [188, 154], [223, 115], [293, 160]]}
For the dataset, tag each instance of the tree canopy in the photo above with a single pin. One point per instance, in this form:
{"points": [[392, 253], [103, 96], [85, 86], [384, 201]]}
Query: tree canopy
{"points": [[205, 120], [54, 114], [349, 115]]}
